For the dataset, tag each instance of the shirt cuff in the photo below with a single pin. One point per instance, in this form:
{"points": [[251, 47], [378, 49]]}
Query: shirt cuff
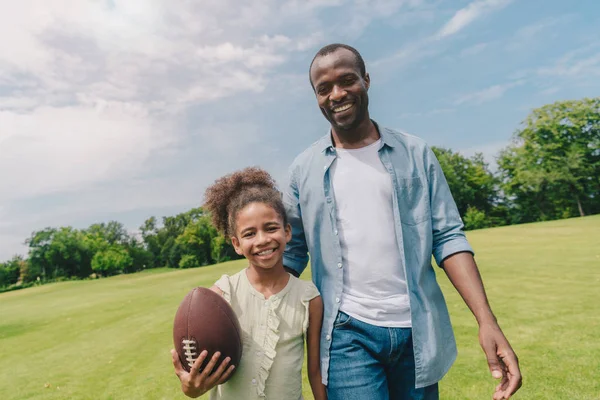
{"points": [[447, 249]]}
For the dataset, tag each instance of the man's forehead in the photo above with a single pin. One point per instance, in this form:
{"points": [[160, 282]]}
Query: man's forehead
{"points": [[340, 59]]}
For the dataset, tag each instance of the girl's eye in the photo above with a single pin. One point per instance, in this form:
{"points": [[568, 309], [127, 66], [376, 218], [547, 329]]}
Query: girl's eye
{"points": [[248, 235]]}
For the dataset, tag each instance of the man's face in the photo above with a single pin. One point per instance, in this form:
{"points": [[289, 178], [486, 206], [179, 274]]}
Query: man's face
{"points": [[340, 89]]}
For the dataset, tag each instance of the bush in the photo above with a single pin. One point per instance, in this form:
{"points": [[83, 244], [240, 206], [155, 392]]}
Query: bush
{"points": [[188, 261], [475, 219], [112, 261]]}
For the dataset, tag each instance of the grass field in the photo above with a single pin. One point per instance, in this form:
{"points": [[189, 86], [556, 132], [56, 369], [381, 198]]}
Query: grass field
{"points": [[110, 338]]}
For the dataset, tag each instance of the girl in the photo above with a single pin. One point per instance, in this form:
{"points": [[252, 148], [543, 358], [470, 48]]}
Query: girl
{"points": [[275, 309]]}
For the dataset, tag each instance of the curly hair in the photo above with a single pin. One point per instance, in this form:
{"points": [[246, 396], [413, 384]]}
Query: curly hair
{"points": [[225, 198]]}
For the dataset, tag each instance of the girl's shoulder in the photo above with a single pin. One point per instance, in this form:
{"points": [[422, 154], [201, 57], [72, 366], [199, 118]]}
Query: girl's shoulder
{"points": [[304, 291], [305, 288], [228, 284]]}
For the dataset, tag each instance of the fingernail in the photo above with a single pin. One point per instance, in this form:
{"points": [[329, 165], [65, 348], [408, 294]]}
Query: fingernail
{"points": [[204, 352], [497, 374]]}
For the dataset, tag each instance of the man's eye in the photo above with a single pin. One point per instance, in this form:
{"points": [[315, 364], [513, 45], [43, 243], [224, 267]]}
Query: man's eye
{"points": [[322, 90]]}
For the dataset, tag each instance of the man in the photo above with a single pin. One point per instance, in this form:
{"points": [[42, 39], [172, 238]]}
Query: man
{"points": [[371, 205]]}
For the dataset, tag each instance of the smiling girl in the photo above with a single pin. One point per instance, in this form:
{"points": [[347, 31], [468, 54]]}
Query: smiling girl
{"points": [[275, 309]]}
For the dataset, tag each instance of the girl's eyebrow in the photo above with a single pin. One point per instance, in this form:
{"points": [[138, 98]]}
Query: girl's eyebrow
{"points": [[246, 230]]}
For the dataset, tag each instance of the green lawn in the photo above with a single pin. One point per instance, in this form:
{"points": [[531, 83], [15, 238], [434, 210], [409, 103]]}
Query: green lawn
{"points": [[110, 338]]}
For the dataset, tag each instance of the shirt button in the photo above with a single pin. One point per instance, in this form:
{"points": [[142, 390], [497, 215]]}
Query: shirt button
{"points": [[258, 353], [339, 265], [336, 232], [337, 299], [328, 337], [325, 168], [254, 381]]}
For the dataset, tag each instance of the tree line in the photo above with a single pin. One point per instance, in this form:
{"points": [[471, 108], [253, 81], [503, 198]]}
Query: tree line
{"points": [[551, 170]]}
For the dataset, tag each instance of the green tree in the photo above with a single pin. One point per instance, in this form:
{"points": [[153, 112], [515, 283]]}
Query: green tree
{"points": [[10, 271], [552, 168], [112, 261], [470, 180], [61, 252]]}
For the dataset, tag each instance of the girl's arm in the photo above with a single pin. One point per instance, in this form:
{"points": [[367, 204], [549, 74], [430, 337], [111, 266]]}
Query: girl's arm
{"points": [[315, 320]]}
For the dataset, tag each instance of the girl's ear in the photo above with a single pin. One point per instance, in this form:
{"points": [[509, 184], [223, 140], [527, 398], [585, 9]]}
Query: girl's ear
{"points": [[236, 245], [288, 233]]}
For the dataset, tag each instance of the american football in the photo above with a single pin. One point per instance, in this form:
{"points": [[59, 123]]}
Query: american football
{"points": [[205, 321]]}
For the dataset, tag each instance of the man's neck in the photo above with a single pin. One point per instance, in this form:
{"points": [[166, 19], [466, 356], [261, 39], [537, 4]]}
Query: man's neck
{"points": [[363, 135]]}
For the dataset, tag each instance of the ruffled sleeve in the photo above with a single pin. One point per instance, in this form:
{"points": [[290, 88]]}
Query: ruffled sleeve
{"points": [[310, 293], [224, 283]]}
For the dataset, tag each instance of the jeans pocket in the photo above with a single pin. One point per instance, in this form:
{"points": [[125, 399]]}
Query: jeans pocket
{"points": [[342, 320]]}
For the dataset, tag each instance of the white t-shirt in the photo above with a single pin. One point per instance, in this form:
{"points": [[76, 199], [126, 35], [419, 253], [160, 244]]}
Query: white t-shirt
{"points": [[375, 289]]}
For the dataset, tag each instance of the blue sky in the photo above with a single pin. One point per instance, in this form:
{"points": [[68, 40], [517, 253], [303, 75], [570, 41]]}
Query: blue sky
{"points": [[125, 109]]}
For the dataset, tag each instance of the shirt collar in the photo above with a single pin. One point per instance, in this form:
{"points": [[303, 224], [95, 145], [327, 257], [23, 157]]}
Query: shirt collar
{"points": [[326, 144]]}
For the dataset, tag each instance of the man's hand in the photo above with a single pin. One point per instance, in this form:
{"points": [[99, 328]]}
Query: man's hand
{"points": [[196, 383], [502, 360]]}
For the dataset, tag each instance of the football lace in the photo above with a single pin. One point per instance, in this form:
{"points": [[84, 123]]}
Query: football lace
{"points": [[190, 351]]}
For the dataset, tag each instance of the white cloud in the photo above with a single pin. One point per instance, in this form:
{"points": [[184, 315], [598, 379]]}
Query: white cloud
{"points": [[488, 94], [467, 15], [57, 149], [581, 63]]}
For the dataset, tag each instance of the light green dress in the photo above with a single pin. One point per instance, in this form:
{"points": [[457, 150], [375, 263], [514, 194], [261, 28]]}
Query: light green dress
{"points": [[273, 336]]}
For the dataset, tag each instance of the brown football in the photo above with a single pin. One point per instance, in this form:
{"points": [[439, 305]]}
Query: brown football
{"points": [[205, 321]]}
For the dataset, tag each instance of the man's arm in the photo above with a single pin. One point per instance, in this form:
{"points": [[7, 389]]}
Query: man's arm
{"points": [[454, 254], [502, 360], [295, 256]]}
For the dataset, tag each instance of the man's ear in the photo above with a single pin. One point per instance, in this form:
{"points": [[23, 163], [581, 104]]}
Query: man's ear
{"points": [[367, 79], [236, 245]]}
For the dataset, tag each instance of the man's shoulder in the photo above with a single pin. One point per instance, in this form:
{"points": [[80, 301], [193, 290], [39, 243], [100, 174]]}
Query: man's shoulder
{"points": [[307, 156], [405, 139]]}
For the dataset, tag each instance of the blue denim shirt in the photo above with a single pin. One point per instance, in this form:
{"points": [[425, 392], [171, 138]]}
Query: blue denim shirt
{"points": [[427, 222]]}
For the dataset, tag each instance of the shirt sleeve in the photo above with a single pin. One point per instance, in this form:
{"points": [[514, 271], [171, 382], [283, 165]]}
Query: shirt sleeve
{"points": [[448, 235], [310, 293], [224, 284], [295, 255]]}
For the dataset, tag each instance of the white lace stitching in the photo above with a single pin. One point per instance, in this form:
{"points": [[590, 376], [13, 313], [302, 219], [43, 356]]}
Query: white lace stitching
{"points": [[190, 351]]}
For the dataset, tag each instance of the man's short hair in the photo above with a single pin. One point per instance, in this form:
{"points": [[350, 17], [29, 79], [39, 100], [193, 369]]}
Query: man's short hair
{"points": [[330, 48]]}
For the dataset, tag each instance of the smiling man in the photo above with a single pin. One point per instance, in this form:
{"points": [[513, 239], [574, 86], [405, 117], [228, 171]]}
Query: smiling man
{"points": [[371, 205]]}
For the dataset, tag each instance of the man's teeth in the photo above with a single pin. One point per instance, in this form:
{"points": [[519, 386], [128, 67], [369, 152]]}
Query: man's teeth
{"points": [[342, 108], [266, 252]]}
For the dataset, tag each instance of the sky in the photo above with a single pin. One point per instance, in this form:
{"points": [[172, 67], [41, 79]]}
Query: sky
{"points": [[126, 109]]}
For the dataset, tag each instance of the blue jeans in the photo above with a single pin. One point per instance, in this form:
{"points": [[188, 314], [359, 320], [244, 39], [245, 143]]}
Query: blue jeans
{"points": [[373, 363]]}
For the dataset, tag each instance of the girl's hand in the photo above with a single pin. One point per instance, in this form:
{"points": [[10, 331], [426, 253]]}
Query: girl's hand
{"points": [[196, 383]]}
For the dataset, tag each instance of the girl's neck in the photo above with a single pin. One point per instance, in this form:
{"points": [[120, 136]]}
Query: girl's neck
{"points": [[268, 281]]}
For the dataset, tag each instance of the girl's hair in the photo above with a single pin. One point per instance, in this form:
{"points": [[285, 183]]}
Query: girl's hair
{"points": [[231, 193]]}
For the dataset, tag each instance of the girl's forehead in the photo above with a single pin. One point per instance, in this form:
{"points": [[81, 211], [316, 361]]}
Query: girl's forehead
{"points": [[256, 210]]}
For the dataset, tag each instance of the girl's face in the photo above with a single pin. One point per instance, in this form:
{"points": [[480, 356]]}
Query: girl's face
{"points": [[261, 235]]}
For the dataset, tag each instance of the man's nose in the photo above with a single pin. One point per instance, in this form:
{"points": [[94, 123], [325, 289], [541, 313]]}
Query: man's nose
{"points": [[337, 93]]}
